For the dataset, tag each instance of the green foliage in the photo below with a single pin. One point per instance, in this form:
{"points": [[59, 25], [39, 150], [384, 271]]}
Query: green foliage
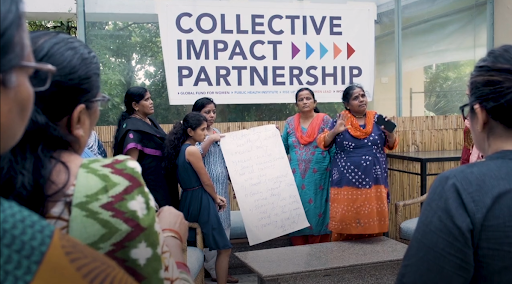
{"points": [[68, 26], [131, 54], [445, 86]]}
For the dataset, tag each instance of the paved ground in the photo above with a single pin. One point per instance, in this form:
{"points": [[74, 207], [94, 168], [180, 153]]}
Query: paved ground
{"points": [[244, 279]]}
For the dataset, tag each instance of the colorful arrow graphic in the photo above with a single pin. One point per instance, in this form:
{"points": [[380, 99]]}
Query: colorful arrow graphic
{"points": [[295, 50], [337, 50], [323, 51], [350, 50], [309, 50]]}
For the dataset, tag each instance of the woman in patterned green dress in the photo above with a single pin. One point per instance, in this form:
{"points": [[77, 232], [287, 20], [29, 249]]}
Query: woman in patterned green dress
{"points": [[113, 212]]}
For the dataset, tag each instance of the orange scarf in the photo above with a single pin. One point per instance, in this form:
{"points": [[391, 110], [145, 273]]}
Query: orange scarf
{"points": [[353, 126], [312, 130]]}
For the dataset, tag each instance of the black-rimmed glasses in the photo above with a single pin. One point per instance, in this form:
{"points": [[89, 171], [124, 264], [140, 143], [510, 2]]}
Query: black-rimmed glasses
{"points": [[464, 110], [42, 77], [102, 101]]}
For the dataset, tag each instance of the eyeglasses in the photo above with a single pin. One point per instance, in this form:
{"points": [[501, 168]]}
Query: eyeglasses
{"points": [[464, 109], [102, 101], [42, 77]]}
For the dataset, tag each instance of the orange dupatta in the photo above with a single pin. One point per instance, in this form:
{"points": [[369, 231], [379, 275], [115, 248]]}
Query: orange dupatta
{"points": [[312, 130], [353, 126]]}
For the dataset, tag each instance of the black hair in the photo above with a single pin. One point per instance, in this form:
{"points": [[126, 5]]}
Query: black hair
{"points": [[201, 103], [132, 95], [177, 136], [27, 168], [312, 94], [490, 85], [11, 42], [348, 92]]}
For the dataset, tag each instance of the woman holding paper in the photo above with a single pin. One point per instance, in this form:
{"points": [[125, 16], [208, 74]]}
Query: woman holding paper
{"points": [[310, 166], [359, 182], [218, 171], [200, 202]]}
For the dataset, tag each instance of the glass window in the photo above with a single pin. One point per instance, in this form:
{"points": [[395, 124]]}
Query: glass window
{"points": [[441, 40]]}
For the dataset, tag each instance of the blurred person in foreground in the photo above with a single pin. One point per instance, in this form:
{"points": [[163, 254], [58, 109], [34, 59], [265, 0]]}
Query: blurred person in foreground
{"points": [[103, 203], [464, 234], [33, 251]]}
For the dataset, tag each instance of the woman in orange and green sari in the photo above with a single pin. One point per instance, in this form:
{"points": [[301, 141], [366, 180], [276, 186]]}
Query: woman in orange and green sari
{"points": [[359, 174]]}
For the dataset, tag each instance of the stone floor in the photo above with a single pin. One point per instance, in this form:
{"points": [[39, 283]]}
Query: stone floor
{"points": [[244, 279]]}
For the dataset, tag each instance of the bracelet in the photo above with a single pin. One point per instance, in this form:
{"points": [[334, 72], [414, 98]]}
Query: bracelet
{"points": [[172, 233]]}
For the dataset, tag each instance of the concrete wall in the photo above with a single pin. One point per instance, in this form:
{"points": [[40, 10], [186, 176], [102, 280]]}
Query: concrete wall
{"points": [[502, 22], [385, 94], [50, 10]]}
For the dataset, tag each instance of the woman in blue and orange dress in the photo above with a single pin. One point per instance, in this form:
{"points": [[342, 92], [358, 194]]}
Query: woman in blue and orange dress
{"points": [[359, 174]]}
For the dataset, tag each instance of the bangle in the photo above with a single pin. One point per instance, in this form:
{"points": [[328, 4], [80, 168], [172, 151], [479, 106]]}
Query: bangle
{"points": [[172, 233]]}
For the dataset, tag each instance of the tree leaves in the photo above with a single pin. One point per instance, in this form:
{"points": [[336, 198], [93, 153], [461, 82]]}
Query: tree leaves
{"points": [[445, 86]]}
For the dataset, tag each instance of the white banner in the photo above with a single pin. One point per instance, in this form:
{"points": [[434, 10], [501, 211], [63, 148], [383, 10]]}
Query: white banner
{"points": [[263, 182], [240, 52]]}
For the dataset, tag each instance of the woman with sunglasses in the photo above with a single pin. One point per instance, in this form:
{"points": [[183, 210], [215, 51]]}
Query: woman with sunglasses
{"points": [[464, 234], [33, 250], [112, 210]]}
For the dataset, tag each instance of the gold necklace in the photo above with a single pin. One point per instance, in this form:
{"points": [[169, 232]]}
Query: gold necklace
{"points": [[359, 116]]}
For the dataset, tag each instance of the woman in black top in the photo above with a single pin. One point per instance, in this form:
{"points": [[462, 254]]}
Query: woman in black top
{"points": [[464, 234], [140, 137]]}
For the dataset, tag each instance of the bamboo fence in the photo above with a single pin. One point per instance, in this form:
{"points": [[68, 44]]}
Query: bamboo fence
{"points": [[425, 133]]}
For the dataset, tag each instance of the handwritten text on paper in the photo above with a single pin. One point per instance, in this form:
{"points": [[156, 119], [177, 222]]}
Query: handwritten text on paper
{"points": [[263, 182]]}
